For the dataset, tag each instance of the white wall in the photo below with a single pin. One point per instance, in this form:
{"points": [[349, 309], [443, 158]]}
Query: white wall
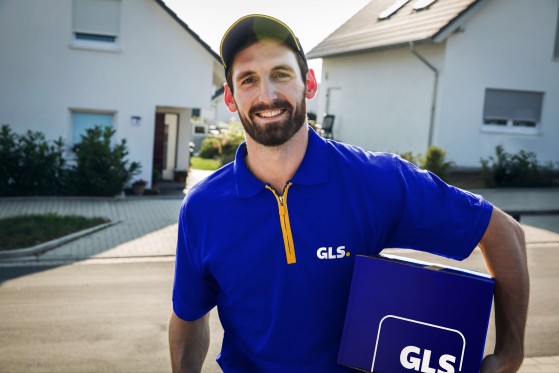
{"points": [[385, 97], [42, 77], [507, 45]]}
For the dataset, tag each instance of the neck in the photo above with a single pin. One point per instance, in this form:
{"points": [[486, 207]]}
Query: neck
{"points": [[277, 165]]}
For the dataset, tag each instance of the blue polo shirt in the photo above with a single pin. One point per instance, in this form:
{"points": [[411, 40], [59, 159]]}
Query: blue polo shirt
{"points": [[282, 300]]}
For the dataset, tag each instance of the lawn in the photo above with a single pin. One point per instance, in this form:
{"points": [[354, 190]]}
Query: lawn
{"points": [[29, 230], [204, 164]]}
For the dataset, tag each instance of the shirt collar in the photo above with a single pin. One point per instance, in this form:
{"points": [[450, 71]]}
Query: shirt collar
{"points": [[312, 171]]}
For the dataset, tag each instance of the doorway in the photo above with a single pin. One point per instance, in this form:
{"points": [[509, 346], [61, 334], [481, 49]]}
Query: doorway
{"points": [[165, 145]]}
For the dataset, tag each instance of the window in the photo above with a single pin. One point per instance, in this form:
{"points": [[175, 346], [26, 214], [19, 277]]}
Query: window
{"points": [[196, 112], [82, 121], [392, 9], [96, 24], [512, 111], [199, 130]]}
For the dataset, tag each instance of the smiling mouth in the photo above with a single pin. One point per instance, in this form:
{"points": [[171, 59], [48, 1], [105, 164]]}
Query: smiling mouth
{"points": [[270, 113]]}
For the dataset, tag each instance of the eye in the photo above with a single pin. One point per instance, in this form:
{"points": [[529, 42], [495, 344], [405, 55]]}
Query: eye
{"points": [[248, 80], [281, 75]]}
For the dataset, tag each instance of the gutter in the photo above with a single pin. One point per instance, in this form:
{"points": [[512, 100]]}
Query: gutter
{"points": [[434, 99]]}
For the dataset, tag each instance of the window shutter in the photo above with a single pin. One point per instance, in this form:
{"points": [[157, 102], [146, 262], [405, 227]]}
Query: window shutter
{"points": [[99, 17], [512, 105]]}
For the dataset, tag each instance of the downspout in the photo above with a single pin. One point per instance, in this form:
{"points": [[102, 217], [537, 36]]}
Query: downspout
{"points": [[434, 99]]}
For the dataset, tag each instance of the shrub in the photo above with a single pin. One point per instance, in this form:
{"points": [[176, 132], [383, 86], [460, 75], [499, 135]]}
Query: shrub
{"points": [[515, 170], [408, 156], [30, 164], [210, 147], [101, 169], [435, 161], [224, 144]]}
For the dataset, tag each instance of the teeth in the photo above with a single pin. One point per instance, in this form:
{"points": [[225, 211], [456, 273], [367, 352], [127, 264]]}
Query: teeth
{"points": [[268, 114]]}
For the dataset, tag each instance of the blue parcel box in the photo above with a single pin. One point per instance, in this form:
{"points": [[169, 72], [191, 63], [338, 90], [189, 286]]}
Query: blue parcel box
{"points": [[410, 316]]}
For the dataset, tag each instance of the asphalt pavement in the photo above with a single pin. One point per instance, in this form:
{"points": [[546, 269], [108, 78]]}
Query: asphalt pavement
{"points": [[101, 303]]}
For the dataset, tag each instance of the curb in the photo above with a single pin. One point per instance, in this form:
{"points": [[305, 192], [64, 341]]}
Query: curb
{"points": [[49, 245]]}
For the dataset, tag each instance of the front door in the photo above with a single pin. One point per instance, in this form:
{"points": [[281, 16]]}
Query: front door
{"points": [[165, 145]]}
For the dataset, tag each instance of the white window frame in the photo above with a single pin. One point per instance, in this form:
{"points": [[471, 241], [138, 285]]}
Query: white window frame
{"points": [[199, 125], [112, 113], [91, 38], [509, 122]]}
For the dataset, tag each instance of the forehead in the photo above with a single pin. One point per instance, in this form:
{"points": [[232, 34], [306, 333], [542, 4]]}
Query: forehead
{"points": [[263, 54]]}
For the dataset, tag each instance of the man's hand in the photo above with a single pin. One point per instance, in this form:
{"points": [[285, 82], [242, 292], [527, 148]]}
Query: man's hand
{"points": [[495, 364]]}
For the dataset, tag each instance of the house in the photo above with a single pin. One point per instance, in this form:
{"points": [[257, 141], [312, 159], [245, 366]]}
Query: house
{"points": [[66, 65], [464, 75]]}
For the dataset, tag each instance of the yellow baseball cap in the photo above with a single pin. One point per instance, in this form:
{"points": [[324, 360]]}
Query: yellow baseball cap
{"points": [[255, 27]]}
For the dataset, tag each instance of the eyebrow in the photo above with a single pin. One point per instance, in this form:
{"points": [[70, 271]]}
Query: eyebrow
{"points": [[283, 67], [247, 73], [244, 74]]}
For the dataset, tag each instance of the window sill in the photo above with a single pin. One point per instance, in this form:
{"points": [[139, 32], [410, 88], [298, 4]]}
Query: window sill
{"points": [[95, 46], [510, 130]]}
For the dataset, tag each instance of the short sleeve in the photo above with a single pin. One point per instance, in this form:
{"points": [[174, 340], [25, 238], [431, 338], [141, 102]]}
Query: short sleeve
{"points": [[194, 291], [436, 217]]}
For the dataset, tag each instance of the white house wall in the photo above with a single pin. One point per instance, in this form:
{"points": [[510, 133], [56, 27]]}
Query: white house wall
{"points": [[159, 65], [507, 45], [386, 98]]}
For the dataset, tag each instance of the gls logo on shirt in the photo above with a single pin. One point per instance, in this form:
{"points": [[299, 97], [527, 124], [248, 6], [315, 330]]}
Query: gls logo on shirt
{"points": [[330, 253], [416, 346]]}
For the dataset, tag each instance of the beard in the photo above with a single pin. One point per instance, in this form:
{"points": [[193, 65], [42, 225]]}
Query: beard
{"points": [[278, 132]]}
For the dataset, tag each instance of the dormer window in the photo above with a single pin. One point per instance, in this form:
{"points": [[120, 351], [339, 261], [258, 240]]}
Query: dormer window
{"points": [[422, 4], [96, 24]]}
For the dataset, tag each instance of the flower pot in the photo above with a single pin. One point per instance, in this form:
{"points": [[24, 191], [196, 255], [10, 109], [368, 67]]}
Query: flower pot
{"points": [[138, 189]]}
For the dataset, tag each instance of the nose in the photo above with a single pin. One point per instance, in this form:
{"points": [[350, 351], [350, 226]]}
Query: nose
{"points": [[268, 91]]}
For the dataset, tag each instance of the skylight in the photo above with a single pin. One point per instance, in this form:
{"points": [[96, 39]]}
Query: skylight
{"points": [[392, 9], [422, 4]]}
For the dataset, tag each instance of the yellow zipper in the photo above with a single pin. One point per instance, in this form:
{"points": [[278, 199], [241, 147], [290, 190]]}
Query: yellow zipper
{"points": [[285, 225]]}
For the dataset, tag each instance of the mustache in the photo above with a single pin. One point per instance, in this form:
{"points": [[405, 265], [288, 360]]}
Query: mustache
{"points": [[277, 104]]}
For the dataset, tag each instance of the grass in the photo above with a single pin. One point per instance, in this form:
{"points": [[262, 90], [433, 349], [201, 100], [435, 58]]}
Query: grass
{"points": [[29, 230], [204, 164]]}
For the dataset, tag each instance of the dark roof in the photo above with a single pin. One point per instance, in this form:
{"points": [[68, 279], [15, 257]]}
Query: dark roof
{"points": [[365, 32], [192, 33], [218, 92]]}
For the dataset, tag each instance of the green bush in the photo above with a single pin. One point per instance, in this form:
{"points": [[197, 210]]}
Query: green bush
{"points": [[515, 170], [30, 164], [210, 147], [223, 145], [101, 169], [435, 161], [408, 156]]}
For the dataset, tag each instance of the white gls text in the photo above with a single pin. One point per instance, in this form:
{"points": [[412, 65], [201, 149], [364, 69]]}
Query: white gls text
{"points": [[328, 253], [411, 358]]}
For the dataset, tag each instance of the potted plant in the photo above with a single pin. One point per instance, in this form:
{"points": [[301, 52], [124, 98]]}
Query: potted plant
{"points": [[139, 186], [180, 176]]}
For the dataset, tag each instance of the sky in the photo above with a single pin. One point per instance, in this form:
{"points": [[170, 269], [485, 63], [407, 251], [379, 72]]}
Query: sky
{"points": [[311, 20]]}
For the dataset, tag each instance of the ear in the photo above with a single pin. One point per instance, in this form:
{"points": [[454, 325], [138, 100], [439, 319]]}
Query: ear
{"points": [[228, 98], [312, 85]]}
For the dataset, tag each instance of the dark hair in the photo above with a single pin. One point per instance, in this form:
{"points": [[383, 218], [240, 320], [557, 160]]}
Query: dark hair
{"points": [[300, 61]]}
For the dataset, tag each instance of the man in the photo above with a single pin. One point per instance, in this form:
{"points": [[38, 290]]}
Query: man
{"points": [[249, 234]]}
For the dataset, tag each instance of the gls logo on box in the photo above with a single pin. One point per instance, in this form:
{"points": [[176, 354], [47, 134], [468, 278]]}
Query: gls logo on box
{"points": [[406, 345]]}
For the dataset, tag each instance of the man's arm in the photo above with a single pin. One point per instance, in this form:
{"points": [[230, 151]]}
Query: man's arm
{"points": [[189, 342], [504, 250]]}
